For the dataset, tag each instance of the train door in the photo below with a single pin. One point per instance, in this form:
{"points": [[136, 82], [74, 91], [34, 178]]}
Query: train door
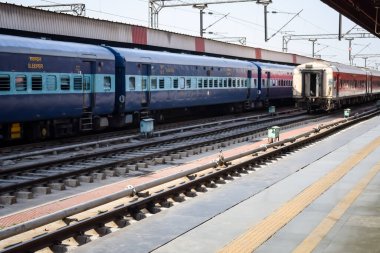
{"points": [[249, 76], [267, 85], [145, 87], [88, 85], [368, 84], [337, 83]]}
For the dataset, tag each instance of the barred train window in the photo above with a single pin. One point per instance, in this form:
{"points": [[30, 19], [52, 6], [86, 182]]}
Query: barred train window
{"points": [[188, 83], [78, 83], [175, 83], [205, 83], [5, 83], [51, 83], [162, 83], [200, 83], [20, 82], [215, 83], [107, 83], [36, 82], [65, 83], [132, 83]]}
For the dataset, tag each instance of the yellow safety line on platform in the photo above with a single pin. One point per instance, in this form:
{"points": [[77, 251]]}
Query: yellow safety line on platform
{"points": [[258, 234], [324, 227]]}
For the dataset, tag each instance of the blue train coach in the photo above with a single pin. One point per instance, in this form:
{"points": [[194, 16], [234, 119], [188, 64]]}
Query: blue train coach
{"points": [[50, 88], [162, 83]]}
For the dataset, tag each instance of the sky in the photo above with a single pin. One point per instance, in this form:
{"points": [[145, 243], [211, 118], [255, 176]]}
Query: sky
{"points": [[243, 20]]}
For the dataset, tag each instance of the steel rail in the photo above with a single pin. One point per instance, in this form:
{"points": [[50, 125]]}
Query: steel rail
{"points": [[65, 174]]}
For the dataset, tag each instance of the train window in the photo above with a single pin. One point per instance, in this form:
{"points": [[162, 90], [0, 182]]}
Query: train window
{"points": [[107, 83], [255, 82], [20, 82], [234, 82], [51, 83], [161, 83], [246, 83], [291, 83], [5, 83], [143, 83], [205, 83], [220, 82], [132, 83], [210, 83], [225, 82], [78, 83], [87, 83], [229, 82], [188, 83], [238, 83], [199, 82], [182, 83], [65, 83], [175, 83], [153, 83], [216, 83], [36, 82]]}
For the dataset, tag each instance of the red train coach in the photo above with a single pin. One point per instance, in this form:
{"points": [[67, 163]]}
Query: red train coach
{"points": [[327, 86]]}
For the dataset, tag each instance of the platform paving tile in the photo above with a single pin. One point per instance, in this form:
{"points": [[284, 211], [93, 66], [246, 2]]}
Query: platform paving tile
{"points": [[208, 233]]}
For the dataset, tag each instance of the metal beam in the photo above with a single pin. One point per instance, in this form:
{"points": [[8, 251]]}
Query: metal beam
{"points": [[77, 9], [155, 6]]}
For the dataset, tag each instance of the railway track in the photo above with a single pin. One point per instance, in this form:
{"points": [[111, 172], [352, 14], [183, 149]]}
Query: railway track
{"points": [[151, 199], [37, 150], [57, 172]]}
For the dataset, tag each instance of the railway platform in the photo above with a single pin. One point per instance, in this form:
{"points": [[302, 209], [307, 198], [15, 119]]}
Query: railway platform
{"points": [[322, 198]]}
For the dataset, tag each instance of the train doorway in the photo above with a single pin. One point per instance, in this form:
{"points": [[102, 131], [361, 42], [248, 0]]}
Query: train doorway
{"points": [[312, 84], [87, 85], [145, 87]]}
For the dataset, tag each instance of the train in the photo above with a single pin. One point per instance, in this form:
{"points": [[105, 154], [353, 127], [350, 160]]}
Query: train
{"points": [[54, 88], [326, 86]]}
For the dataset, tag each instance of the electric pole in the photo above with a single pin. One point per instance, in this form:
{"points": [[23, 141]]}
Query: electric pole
{"points": [[313, 41]]}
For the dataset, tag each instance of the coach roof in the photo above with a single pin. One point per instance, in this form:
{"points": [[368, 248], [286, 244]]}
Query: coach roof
{"points": [[21, 45], [145, 56]]}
